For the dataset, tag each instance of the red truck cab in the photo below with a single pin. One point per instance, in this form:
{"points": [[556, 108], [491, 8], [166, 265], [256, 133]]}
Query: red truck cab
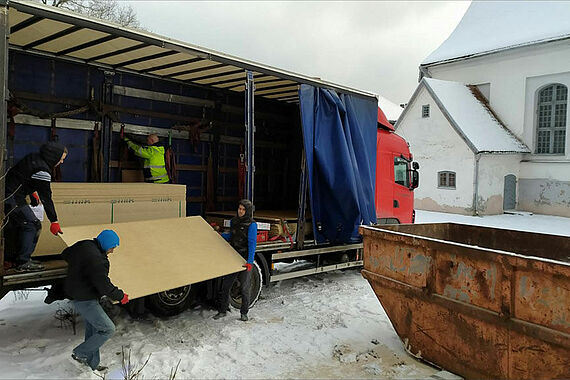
{"points": [[396, 176]]}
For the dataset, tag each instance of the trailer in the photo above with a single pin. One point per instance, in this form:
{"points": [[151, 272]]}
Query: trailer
{"points": [[485, 303], [239, 129]]}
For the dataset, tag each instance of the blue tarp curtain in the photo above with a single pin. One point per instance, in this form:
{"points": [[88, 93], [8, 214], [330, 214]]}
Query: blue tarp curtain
{"points": [[339, 133]]}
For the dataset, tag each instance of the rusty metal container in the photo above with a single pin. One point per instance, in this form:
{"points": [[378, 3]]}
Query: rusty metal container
{"points": [[480, 302]]}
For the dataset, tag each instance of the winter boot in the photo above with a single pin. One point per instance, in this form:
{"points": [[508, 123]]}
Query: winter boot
{"points": [[29, 267], [80, 360], [244, 318], [220, 314]]}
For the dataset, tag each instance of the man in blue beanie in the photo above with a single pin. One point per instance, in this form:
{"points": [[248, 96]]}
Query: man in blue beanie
{"points": [[87, 281]]}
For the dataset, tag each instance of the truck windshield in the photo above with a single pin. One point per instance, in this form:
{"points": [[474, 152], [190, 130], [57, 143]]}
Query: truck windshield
{"points": [[401, 176]]}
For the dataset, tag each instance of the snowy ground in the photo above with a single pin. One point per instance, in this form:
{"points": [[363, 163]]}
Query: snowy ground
{"points": [[324, 326]]}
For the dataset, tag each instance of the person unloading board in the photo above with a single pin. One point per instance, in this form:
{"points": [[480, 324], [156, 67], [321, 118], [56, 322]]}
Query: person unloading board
{"points": [[87, 281], [243, 238], [31, 176], [153, 156]]}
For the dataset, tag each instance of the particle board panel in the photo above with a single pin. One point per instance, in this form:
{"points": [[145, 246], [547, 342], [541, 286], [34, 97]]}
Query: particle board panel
{"points": [[154, 256], [70, 215], [102, 203], [124, 212]]}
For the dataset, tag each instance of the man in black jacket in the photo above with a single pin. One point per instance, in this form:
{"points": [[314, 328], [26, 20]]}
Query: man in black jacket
{"points": [[31, 176], [87, 281]]}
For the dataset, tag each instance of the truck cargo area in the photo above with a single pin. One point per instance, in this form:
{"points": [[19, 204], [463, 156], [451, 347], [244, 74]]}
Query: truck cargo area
{"points": [[235, 128]]}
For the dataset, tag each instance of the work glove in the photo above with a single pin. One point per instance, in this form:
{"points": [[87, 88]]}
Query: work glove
{"points": [[35, 199], [248, 267], [125, 299], [55, 228]]}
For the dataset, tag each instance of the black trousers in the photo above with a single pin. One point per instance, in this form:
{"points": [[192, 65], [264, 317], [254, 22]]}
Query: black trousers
{"points": [[224, 293], [28, 230]]}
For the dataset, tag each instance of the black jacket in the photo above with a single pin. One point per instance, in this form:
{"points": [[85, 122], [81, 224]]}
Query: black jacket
{"points": [[88, 272], [33, 173]]}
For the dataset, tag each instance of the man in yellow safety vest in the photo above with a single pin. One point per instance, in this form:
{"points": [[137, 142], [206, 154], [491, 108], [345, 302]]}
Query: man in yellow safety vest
{"points": [[153, 156]]}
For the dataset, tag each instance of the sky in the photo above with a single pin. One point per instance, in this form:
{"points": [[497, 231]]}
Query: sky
{"points": [[374, 46]]}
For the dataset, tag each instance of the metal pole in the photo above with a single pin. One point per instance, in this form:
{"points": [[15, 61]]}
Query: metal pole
{"points": [[249, 136], [304, 181], [4, 33], [107, 127]]}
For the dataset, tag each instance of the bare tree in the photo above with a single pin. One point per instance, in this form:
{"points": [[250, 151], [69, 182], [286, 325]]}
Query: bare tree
{"points": [[111, 10]]}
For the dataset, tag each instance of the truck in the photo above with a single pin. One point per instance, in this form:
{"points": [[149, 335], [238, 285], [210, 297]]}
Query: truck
{"points": [[484, 303], [302, 149]]}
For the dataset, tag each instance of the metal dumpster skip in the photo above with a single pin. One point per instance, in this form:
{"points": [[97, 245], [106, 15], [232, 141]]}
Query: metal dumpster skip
{"points": [[480, 302]]}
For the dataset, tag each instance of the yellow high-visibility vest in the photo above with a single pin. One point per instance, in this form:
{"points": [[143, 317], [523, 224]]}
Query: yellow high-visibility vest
{"points": [[154, 165]]}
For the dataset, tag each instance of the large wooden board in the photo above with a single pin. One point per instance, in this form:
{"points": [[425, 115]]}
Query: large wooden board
{"points": [[164, 254], [80, 204]]}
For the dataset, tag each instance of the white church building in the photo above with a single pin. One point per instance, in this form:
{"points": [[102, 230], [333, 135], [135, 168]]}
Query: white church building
{"points": [[488, 122]]}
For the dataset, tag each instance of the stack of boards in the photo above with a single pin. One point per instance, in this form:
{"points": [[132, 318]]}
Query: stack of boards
{"points": [[79, 204]]}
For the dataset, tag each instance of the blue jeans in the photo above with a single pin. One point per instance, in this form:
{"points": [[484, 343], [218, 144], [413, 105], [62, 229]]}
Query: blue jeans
{"points": [[29, 228], [98, 329]]}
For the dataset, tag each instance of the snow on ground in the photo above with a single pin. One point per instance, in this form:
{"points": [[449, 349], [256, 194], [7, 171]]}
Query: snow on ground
{"points": [[325, 326], [328, 325], [545, 224]]}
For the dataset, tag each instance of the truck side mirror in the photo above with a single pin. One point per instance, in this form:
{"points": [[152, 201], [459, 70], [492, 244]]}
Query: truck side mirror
{"points": [[415, 165], [415, 179]]}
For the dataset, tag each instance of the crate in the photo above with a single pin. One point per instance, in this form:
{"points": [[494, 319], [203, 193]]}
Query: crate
{"points": [[262, 236]]}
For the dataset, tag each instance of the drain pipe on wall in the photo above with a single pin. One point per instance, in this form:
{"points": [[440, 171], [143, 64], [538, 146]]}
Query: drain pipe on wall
{"points": [[476, 184]]}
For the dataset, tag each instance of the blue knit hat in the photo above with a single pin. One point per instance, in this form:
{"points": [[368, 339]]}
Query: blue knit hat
{"points": [[108, 239]]}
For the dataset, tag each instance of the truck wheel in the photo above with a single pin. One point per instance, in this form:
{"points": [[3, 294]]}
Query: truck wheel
{"points": [[171, 302], [254, 289]]}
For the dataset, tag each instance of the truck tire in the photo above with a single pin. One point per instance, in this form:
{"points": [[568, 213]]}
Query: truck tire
{"points": [[255, 288], [171, 302]]}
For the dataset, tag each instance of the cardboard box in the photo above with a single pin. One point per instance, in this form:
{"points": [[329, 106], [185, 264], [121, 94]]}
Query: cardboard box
{"points": [[79, 204]]}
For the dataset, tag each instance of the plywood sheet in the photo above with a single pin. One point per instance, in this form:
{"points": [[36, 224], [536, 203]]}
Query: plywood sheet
{"points": [[80, 204], [125, 212], [159, 255], [71, 215]]}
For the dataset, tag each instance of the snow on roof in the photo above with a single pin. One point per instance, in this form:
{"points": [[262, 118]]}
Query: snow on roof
{"points": [[390, 109], [490, 26], [473, 119]]}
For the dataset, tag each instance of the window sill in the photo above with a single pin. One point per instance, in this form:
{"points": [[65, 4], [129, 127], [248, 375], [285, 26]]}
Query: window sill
{"points": [[446, 188]]}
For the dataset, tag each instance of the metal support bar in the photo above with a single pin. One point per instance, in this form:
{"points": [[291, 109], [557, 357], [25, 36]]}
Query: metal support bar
{"points": [[315, 251], [135, 129], [162, 96], [4, 34], [26, 278], [107, 126], [306, 272], [303, 185], [249, 136]]}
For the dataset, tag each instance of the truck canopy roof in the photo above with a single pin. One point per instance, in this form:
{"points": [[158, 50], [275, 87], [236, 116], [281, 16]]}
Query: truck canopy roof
{"points": [[51, 31]]}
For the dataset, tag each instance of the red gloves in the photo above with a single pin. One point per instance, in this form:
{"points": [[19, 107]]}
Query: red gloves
{"points": [[35, 199], [125, 299], [55, 228], [248, 267]]}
